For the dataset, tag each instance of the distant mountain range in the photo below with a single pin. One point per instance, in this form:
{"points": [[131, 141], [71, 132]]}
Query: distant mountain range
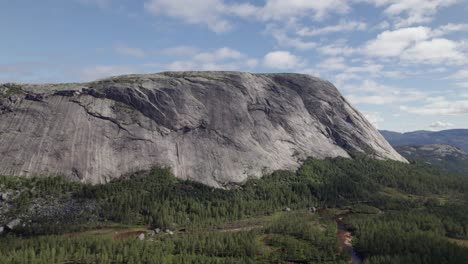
{"points": [[454, 137], [445, 149], [443, 156]]}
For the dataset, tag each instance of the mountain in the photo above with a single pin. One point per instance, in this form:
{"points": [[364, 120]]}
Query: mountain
{"points": [[216, 128], [455, 137], [444, 156]]}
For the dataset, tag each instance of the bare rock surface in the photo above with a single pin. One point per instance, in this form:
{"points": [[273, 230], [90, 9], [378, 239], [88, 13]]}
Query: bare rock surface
{"points": [[216, 128]]}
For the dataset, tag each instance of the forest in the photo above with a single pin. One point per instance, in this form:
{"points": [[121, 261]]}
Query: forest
{"points": [[396, 212]]}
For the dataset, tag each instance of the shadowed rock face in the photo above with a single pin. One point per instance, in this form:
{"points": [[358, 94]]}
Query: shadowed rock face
{"points": [[216, 128]]}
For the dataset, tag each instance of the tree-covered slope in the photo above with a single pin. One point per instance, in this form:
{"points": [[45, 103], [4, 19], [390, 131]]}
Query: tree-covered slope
{"points": [[443, 156], [383, 203]]}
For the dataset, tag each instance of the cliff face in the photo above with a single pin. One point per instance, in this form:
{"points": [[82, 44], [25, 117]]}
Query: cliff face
{"points": [[212, 127]]}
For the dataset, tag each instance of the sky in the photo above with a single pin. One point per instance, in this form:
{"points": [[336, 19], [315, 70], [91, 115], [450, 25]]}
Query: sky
{"points": [[403, 63]]}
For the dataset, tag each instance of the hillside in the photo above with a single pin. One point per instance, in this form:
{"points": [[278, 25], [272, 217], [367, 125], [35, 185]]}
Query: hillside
{"points": [[217, 128], [393, 213], [443, 156], [455, 137]]}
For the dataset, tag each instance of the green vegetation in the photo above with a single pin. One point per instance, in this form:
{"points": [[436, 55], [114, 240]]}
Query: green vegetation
{"points": [[398, 213], [9, 89]]}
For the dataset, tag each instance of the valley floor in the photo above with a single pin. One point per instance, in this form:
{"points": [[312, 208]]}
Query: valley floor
{"points": [[371, 212]]}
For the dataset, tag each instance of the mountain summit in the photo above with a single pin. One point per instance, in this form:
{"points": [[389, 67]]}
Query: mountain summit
{"points": [[216, 128]]}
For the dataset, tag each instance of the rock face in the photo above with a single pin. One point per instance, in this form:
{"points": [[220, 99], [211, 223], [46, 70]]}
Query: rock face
{"points": [[216, 128]]}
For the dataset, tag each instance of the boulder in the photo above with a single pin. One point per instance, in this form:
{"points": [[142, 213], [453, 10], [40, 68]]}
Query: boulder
{"points": [[13, 224]]}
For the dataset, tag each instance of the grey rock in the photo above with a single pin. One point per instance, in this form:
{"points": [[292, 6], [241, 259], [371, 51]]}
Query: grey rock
{"points": [[157, 230], [3, 196], [2, 229], [13, 223], [217, 128], [141, 237]]}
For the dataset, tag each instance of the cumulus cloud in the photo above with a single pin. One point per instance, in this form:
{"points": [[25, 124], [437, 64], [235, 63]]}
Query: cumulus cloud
{"points": [[392, 43], [435, 51], [219, 59], [439, 106], [285, 40], [406, 13], [439, 125], [216, 13], [417, 45], [285, 9], [212, 13], [219, 54], [282, 60]]}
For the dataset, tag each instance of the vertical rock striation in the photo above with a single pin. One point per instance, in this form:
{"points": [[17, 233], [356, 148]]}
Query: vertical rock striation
{"points": [[216, 128]]}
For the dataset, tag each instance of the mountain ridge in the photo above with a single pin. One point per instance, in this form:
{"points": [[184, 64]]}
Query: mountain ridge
{"points": [[454, 137], [216, 128]]}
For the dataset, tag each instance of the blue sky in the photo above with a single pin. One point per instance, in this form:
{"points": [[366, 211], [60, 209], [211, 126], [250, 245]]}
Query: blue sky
{"points": [[403, 63]]}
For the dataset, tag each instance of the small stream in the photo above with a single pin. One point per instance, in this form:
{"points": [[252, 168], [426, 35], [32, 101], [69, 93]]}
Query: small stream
{"points": [[345, 237]]}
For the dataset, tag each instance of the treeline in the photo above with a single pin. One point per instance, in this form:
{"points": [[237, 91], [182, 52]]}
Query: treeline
{"points": [[199, 248], [406, 237], [294, 236], [158, 199]]}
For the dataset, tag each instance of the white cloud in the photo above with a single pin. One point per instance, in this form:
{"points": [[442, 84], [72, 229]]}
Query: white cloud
{"points": [[219, 54], [212, 13], [333, 64], [282, 60], [197, 66], [103, 71], [337, 48], [439, 106], [372, 93], [434, 51], [463, 84], [459, 75], [374, 118], [418, 45], [449, 28], [343, 72], [392, 43], [410, 12], [128, 51], [439, 125], [286, 41], [216, 13], [287, 9], [220, 59], [339, 28]]}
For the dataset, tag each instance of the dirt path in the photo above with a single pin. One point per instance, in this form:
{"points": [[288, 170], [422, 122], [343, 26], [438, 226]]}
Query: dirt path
{"points": [[345, 238]]}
